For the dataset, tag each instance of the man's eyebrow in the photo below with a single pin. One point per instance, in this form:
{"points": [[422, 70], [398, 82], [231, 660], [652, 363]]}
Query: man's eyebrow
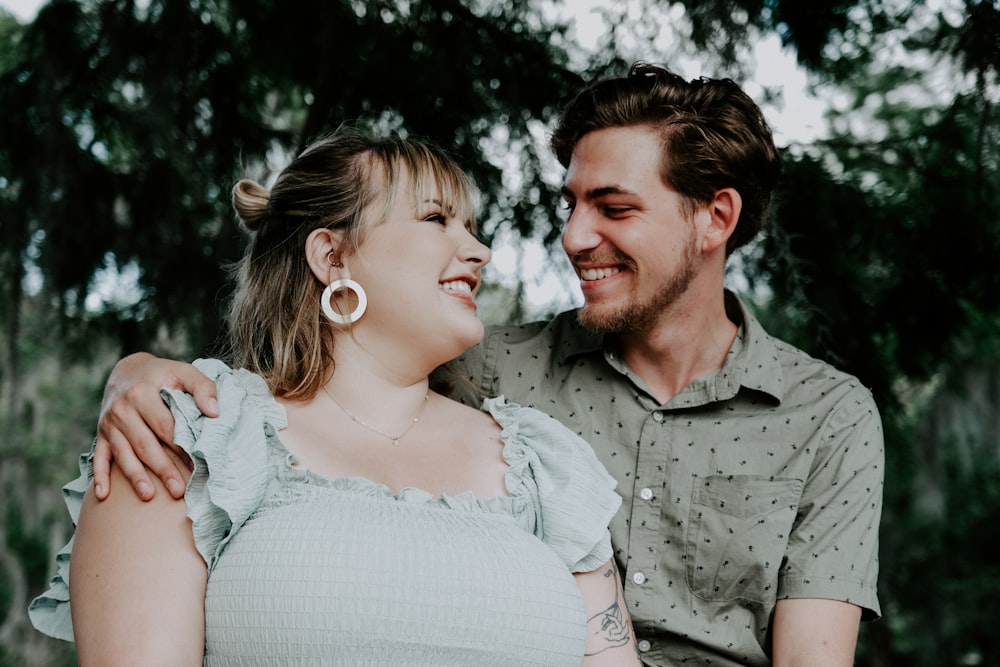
{"points": [[597, 193]]}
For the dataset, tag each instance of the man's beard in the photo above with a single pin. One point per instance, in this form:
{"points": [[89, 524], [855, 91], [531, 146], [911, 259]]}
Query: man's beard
{"points": [[637, 315]]}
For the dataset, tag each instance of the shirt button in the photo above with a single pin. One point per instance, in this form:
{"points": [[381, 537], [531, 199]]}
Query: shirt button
{"points": [[646, 494], [639, 578], [658, 417], [644, 645]]}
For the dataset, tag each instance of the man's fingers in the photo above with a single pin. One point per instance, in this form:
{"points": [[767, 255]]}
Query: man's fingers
{"points": [[130, 465], [125, 437], [166, 467], [194, 382], [137, 458], [140, 414], [102, 468], [146, 425], [135, 424]]}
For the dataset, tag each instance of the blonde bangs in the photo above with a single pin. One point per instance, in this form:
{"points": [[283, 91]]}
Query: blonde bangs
{"points": [[459, 197]]}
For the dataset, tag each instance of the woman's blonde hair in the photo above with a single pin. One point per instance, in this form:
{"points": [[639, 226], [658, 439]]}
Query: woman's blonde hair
{"points": [[343, 181]]}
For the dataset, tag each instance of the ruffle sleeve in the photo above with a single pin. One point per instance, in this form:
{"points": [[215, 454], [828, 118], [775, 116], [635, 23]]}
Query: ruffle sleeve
{"points": [[230, 477], [49, 612], [571, 497], [230, 453]]}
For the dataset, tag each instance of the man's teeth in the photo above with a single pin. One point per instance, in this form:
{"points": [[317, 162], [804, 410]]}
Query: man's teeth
{"points": [[457, 286], [597, 274]]}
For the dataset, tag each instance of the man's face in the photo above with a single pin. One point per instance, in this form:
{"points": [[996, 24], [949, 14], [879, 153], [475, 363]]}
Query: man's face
{"points": [[627, 237]]}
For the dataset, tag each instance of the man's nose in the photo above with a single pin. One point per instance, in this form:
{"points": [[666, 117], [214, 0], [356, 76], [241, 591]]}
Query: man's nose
{"points": [[579, 233]]}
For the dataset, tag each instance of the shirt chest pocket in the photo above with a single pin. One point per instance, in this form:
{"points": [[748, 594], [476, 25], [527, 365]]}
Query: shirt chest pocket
{"points": [[736, 536]]}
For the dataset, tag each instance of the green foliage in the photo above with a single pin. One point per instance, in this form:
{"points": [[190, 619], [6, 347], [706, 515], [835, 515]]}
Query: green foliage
{"points": [[6, 595], [62, 655], [28, 544], [127, 122], [881, 259], [866, 265], [139, 118], [952, 557]]}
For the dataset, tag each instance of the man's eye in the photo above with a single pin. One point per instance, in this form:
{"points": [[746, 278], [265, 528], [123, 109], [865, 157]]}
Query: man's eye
{"points": [[568, 205], [616, 210]]}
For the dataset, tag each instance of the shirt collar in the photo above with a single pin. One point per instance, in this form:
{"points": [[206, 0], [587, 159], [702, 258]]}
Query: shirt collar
{"points": [[753, 360], [573, 340]]}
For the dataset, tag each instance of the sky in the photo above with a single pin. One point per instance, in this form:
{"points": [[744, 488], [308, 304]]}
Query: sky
{"points": [[797, 119], [23, 9]]}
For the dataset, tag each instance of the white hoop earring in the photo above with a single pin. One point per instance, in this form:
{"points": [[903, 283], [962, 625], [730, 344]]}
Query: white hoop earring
{"points": [[358, 311]]}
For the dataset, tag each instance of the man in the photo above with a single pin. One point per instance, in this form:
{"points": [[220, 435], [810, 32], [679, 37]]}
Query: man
{"points": [[751, 473]]}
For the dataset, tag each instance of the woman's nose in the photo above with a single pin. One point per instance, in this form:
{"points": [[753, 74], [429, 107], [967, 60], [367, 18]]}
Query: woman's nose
{"points": [[475, 252]]}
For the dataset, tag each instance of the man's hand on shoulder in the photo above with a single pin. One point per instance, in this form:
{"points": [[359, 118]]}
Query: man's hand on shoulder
{"points": [[135, 424]]}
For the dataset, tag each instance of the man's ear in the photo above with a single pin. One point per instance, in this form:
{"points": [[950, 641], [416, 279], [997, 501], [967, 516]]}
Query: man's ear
{"points": [[724, 213], [323, 248]]}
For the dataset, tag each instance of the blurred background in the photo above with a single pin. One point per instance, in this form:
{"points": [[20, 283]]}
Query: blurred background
{"points": [[125, 123]]}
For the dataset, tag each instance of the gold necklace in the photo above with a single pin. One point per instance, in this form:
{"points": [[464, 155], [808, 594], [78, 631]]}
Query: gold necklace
{"points": [[394, 438]]}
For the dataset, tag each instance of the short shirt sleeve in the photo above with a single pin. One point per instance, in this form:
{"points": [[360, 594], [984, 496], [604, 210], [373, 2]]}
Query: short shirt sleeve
{"points": [[230, 456], [570, 496]]}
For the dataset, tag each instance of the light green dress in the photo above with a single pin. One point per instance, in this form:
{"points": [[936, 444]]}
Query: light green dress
{"points": [[308, 570]]}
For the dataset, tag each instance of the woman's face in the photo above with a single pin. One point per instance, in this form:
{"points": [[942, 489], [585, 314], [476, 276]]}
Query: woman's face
{"points": [[421, 270]]}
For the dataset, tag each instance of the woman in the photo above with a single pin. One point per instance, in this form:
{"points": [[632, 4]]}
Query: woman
{"points": [[340, 510]]}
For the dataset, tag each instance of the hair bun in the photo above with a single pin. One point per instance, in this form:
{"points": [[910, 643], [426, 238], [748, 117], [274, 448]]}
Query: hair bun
{"points": [[251, 201]]}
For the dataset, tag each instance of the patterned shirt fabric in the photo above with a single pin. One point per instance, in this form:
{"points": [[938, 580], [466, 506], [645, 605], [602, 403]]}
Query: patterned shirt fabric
{"points": [[757, 482], [309, 570]]}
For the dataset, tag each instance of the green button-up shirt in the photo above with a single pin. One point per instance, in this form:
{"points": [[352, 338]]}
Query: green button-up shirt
{"points": [[757, 482]]}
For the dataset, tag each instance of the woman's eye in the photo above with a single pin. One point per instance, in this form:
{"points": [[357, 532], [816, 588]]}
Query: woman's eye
{"points": [[438, 218]]}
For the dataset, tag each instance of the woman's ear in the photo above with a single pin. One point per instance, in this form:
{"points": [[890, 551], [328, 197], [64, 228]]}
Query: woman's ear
{"points": [[724, 213], [323, 247]]}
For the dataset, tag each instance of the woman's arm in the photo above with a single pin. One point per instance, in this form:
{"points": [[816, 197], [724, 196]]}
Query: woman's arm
{"points": [[137, 583], [610, 638]]}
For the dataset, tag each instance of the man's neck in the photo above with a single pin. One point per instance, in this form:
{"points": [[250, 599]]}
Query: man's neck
{"points": [[692, 338]]}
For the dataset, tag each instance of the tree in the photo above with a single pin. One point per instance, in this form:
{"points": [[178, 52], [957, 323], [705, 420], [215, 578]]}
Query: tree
{"points": [[137, 118], [879, 259], [127, 122]]}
